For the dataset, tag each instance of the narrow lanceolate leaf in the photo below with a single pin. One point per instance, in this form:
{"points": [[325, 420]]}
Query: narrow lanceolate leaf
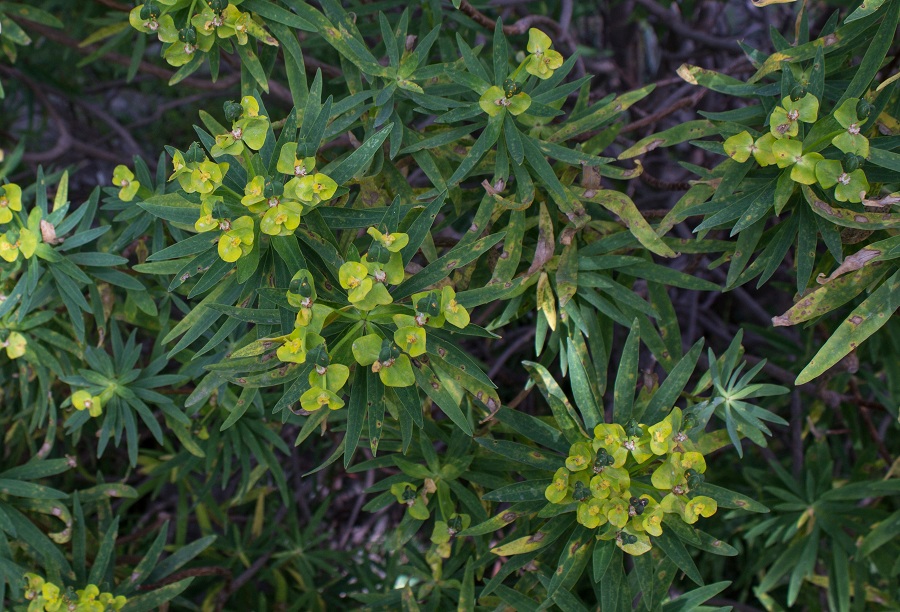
{"points": [[485, 141], [572, 561], [850, 218], [831, 295], [434, 388], [621, 205], [626, 379], [541, 538], [690, 130], [356, 414], [864, 321]]}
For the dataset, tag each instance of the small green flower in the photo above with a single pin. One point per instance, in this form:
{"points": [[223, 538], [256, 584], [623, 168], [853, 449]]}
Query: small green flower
{"points": [[445, 531], [610, 481], [739, 147], [784, 121], [254, 194], [332, 377], [14, 343], [83, 400], [282, 218], [652, 517], [116, 602], [315, 188], [662, 435], [543, 60], [455, 314], [367, 349], [124, 179], [13, 242], [405, 493], [411, 339], [580, 457], [804, 170], [206, 177], [297, 344], [851, 140], [392, 242], [697, 507], [289, 163], [250, 130], [849, 186], [10, 200], [617, 510], [146, 18], [495, 101], [762, 151], [237, 240], [208, 220], [354, 276], [591, 513], [787, 152], [634, 543], [556, 491], [611, 437], [395, 372], [317, 397], [189, 42]]}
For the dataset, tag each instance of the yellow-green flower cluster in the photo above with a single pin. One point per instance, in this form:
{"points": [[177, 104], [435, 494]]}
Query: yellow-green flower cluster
{"points": [[327, 379], [598, 477], [248, 128], [219, 19], [780, 146], [365, 279], [281, 206], [48, 597]]}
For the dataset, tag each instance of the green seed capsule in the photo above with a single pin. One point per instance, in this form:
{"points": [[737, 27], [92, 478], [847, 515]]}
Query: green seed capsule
{"points": [[377, 253], [851, 162], [510, 88], [429, 305], [150, 11], [188, 35], [863, 109], [233, 110], [797, 93]]}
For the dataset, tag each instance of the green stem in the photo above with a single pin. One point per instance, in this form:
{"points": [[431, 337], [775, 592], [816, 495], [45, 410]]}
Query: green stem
{"points": [[190, 13]]}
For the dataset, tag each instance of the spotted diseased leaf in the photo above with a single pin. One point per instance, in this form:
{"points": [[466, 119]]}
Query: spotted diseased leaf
{"points": [[864, 321]]}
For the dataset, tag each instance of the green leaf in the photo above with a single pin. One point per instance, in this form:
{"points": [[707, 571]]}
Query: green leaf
{"points": [[679, 555], [485, 141], [434, 388], [574, 558], [621, 205], [350, 166], [626, 378], [356, 414], [521, 453], [689, 130], [439, 269], [864, 321], [154, 599]]}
